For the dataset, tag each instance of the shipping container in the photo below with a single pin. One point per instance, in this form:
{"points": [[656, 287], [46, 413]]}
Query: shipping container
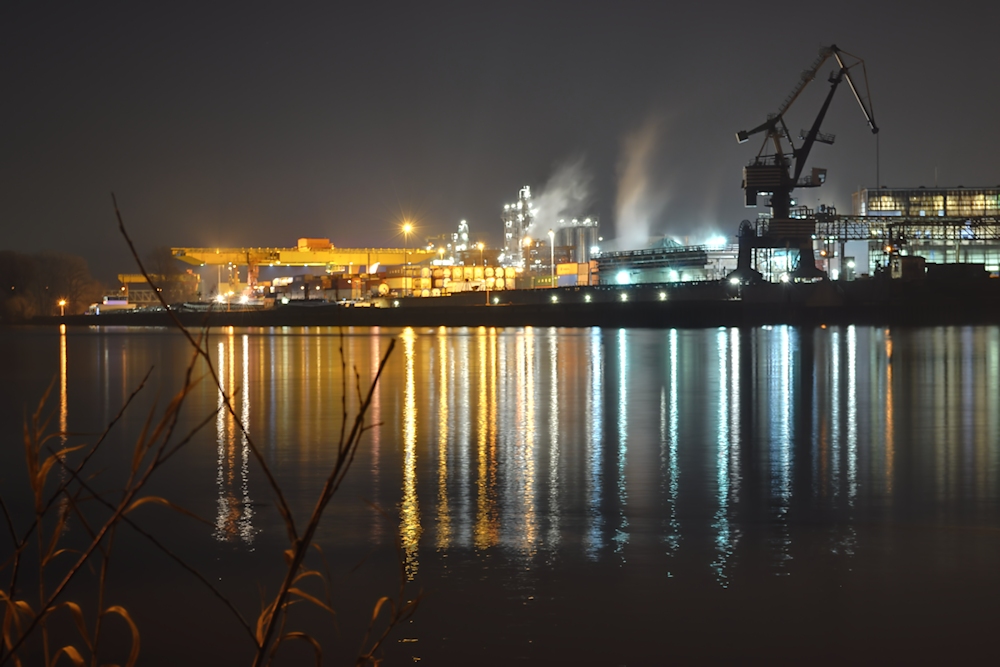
{"points": [[567, 280]]}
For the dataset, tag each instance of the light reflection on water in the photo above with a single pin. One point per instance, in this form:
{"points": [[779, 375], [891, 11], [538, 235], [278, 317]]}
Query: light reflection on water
{"points": [[517, 416], [726, 456]]}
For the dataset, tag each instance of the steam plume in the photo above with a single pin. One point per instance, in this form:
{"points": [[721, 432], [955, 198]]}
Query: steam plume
{"points": [[565, 196], [639, 201]]}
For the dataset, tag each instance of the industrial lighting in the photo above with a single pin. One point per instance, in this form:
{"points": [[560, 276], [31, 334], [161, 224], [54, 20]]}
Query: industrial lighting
{"points": [[552, 257], [496, 300], [734, 281], [586, 297], [555, 299], [62, 307], [624, 296], [407, 228], [622, 278], [784, 278], [663, 296], [220, 298]]}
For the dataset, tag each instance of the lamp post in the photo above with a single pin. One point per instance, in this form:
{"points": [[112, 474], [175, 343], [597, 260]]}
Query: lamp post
{"points": [[407, 228], [552, 257], [62, 307], [482, 263]]}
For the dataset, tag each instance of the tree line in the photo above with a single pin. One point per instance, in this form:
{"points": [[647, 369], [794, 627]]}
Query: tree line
{"points": [[32, 285]]}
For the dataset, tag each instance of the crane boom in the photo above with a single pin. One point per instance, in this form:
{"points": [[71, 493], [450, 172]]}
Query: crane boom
{"points": [[770, 174], [865, 109]]}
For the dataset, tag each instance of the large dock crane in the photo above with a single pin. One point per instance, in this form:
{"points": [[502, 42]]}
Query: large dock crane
{"points": [[777, 174]]}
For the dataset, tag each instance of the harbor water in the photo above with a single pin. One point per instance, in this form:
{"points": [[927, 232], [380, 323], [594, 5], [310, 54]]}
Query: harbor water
{"points": [[563, 496]]}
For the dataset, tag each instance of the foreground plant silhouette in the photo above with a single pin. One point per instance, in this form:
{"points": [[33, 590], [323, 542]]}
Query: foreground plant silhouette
{"points": [[26, 621]]}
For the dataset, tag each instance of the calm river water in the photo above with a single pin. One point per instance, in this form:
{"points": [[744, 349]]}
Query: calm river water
{"points": [[565, 496]]}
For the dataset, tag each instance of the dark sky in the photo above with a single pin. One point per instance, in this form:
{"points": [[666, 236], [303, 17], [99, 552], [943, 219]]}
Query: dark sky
{"points": [[257, 123]]}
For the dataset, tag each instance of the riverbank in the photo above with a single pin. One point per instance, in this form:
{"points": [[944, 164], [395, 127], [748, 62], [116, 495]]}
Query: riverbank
{"points": [[643, 306]]}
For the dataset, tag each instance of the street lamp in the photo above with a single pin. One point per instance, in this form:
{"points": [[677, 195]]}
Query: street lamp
{"points": [[552, 257], [62, 307], [407, 228]]}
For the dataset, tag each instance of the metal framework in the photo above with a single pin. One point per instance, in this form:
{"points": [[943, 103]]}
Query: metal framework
{"points": [[887, 235]]}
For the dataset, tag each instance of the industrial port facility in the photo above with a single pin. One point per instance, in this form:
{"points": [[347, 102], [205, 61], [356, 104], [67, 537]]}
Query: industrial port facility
{"points": [[896, 249]]}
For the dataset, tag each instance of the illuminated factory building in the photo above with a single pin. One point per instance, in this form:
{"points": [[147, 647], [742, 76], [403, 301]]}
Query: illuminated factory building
{"points": [[942, 225]]}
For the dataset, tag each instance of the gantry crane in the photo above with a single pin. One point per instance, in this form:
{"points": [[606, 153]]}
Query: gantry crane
{"points": [[769, 174]]}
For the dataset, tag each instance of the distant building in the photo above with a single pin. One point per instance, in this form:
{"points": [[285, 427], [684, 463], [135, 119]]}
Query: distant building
{"points": [[517, 219], [575, 240], [923, 202], [942, 225]]}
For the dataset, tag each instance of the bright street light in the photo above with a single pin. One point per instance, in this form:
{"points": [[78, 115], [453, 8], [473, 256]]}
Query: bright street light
{"points": [[62, 307], [407, 228]]}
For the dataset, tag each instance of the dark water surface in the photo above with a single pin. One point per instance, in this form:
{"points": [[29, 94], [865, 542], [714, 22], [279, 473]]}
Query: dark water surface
{"points": [[566, 496]]}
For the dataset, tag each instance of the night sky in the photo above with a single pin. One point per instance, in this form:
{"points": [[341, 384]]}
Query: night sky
{"points": [[239, 124]]}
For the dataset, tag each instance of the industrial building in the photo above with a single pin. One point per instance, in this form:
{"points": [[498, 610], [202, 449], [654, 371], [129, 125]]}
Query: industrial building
{"points": [[942, 225], [524, 235]]}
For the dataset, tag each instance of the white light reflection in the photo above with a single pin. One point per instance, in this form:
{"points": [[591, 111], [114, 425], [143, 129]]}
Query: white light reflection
{"points": [[782, 407], [553, 538], [836, 396], [528, 455], [668, 451], [724, 541], [409, 525], [622, 533], [852, 414], [595, 407], [734, 415], [848, 543]]}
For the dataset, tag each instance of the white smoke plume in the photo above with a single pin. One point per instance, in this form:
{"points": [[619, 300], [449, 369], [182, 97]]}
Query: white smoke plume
{"points": [[565, 196], [640, 199]]}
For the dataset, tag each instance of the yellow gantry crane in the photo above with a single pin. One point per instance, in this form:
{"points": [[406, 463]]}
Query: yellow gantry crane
{"points": [[309, 252]]}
